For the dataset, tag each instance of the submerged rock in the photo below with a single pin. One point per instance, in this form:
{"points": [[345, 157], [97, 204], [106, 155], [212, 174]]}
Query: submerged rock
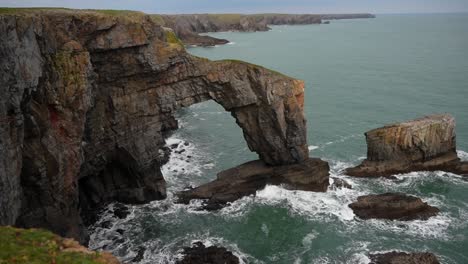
{"points": [[248, 178], [403, 258], [393, 206], [199, 254], [424, 144]]}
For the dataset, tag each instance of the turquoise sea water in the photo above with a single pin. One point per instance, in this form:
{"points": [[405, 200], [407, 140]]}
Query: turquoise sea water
{"points": [[359, 74]]}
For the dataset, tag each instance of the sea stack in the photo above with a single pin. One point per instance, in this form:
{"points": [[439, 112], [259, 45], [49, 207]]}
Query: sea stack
{"points": [[424, 144], [393, 206]]}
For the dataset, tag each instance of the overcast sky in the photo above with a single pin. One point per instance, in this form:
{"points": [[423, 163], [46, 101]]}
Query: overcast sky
{"points": [[256, 6]]}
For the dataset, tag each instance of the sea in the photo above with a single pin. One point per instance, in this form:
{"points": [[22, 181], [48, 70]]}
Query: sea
{"points": [[360, 74]]}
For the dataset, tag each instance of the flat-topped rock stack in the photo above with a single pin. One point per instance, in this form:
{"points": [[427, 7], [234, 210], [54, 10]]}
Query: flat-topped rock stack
{"points": [[404, 258], [424, 144], [392, 206]]}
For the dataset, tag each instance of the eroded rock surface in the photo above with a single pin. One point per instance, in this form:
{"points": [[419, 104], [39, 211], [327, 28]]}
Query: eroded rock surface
{"points": [[424, 144], [88, 97], [200, 254], [248, 178], [393, 206], [404, 258]]}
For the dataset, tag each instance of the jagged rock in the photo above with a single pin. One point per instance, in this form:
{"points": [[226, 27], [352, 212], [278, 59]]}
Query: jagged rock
{"points": [[248, 178], [88, 97], [393, 206], [403, 258], [199, 254], [340, 184], [424, 144]]}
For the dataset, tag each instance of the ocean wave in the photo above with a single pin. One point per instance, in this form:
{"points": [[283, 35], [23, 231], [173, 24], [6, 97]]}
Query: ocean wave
{"points": [[186, 163]]}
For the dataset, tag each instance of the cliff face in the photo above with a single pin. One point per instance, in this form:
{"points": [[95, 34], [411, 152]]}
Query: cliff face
{"points": [[87, 98], [422, 144], [188, 27]]}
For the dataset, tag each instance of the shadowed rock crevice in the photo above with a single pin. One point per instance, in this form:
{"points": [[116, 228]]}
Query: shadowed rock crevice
{"points": [[88, 99]]}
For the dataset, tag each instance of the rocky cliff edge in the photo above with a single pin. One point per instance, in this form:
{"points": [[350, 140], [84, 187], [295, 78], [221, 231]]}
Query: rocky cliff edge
{"points": [[88, 97]]}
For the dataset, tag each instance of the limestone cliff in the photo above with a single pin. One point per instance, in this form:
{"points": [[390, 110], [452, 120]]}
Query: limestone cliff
{"points": [[88, 97], [188, 27], [427, 143]]}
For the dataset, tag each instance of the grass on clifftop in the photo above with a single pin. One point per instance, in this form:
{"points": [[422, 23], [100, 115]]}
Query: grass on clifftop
{"points": [[36, 246], [13, 10], [255, 65]]}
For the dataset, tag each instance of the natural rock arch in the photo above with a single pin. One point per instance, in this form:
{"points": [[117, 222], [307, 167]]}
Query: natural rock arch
{"points": [[86, 94]]}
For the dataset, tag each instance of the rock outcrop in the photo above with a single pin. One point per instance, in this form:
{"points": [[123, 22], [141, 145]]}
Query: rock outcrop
{"points": [[88, 97], [188, 27], [392, 206], [403, 258], [425, 144], [200, 254], [246, 179]]}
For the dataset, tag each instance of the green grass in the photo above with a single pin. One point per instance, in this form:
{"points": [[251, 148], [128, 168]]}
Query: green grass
{"points": [[254, 65], [171, 38], [36, 246], [8, 10]]}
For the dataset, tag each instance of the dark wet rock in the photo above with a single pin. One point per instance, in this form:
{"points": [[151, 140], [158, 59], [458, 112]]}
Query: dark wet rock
{"points": [[106, 224], [180, 151], [121, 211], [425, 144], [248, 178], [88, 99], [326, 22], [140, 254], [403, 258], [199, 254], [340, 183], [392, 206]]}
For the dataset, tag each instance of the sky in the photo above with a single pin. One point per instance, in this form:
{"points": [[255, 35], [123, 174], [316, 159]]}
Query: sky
{"points": [[255, 6]]}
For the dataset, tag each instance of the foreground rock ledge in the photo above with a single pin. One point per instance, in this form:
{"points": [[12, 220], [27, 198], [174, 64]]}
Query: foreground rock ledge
{"points": [[393, 206], [403, 258], [246, 179], [200, 254], [425, 144]]}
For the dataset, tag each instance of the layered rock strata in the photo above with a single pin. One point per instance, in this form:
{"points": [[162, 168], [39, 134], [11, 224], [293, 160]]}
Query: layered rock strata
{"points": [[392, 206], [88, 97], [424, 144], [248, 178], [404, 258]]}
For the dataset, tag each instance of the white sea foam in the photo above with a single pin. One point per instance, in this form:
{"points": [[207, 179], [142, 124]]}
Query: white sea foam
{"points": [[186, 163], [231, 43], [311, 147], [315, 205], [462, 155]]}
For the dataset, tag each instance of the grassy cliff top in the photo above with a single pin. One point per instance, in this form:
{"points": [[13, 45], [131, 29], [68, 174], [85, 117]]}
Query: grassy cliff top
{"points": [[8, 10], [36, 246]]}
